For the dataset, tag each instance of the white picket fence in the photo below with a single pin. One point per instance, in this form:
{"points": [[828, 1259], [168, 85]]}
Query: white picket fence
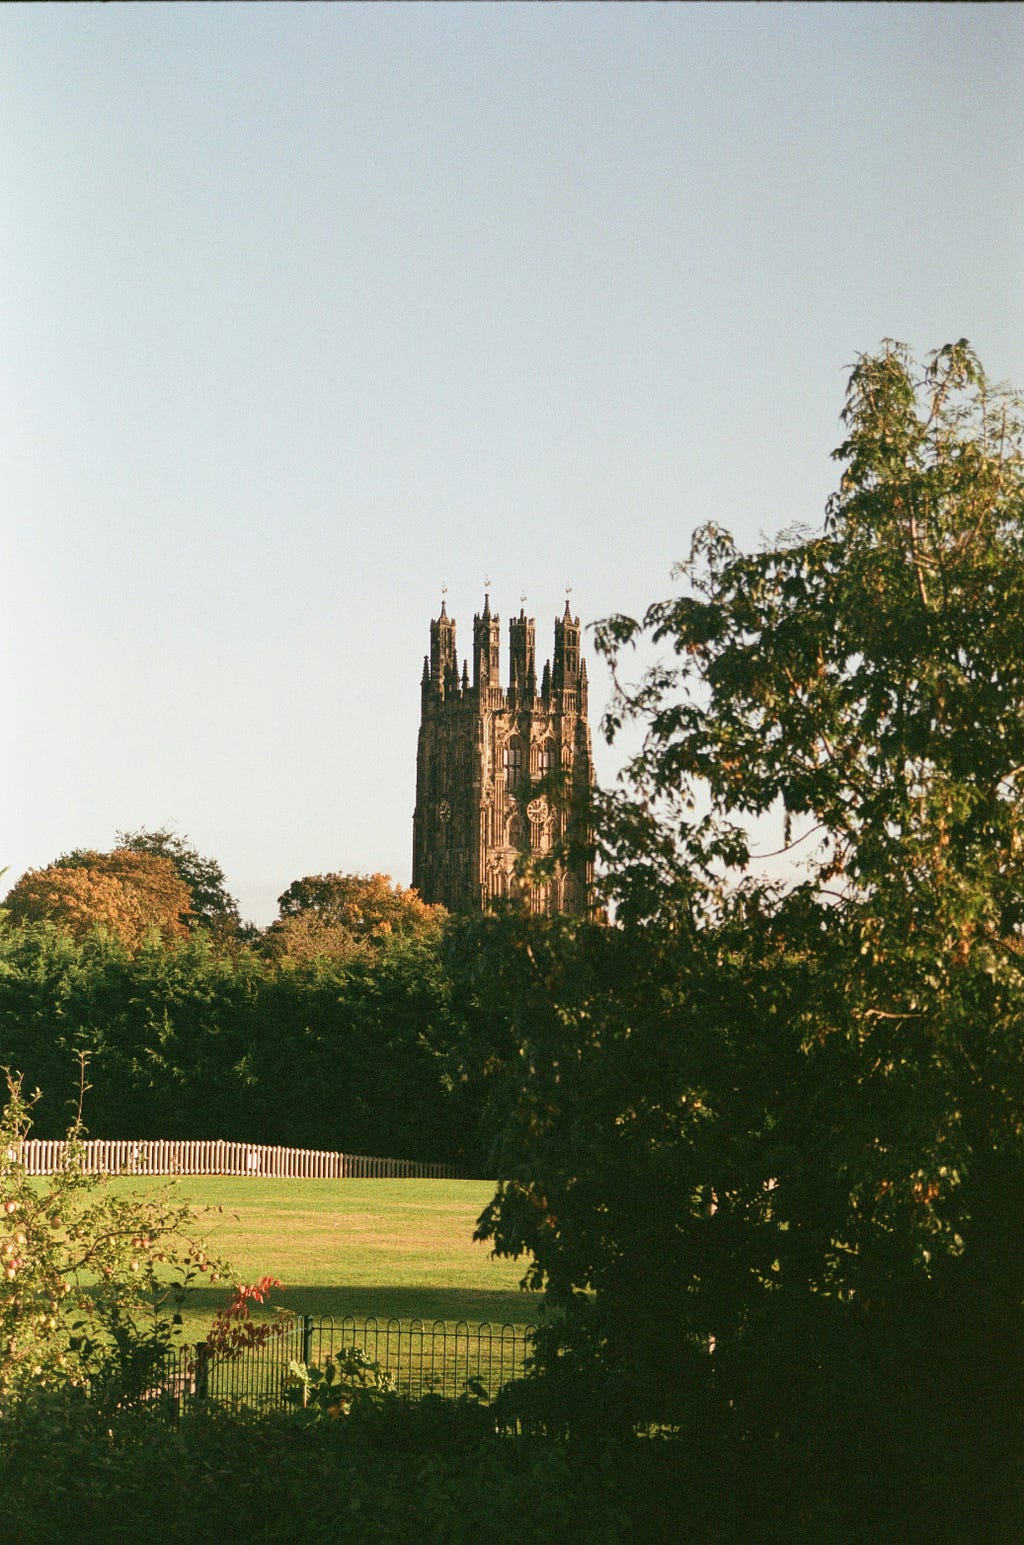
{"points": [[42, 1156]]}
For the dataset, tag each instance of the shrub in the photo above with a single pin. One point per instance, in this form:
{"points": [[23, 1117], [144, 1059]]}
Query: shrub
{"points": [[91, 1283]]}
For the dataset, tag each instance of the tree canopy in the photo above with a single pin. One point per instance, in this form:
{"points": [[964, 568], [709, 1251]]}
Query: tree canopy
{"points": [[763, 1139], [197, 1040], [343, 915], [211, 906], [130, 894], [871, 677]]}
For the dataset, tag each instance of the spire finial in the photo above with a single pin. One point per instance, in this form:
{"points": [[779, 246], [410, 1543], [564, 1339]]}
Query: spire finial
{"points": [[568, 598], [444, 599]]}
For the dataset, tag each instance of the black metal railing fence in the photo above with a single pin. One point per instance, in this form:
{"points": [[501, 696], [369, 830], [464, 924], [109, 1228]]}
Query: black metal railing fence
{"points": [[419, 1358]]}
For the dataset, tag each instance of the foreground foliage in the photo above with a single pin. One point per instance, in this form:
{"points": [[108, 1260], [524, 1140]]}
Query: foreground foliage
{"points": [[432, 1473], [393, 1472], [763, 1141], [91, 1281]]}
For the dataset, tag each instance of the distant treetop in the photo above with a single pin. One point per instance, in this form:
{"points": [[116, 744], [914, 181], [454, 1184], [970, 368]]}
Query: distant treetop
{"points": [[212, 907], [346, 914], [130, 895]]}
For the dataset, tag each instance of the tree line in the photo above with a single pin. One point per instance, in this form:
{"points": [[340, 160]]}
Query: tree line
{"points": [[330, 1029]]}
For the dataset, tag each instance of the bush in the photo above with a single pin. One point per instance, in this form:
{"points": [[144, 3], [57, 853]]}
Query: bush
{"points": [[91, 1283]]}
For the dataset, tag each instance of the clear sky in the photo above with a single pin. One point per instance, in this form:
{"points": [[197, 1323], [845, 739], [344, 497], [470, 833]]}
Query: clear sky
{"points": [[308, 310]]}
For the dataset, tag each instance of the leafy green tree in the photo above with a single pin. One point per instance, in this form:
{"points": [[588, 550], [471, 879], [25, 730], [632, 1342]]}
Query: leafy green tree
{"points": [[871, 681], [352, 1053], [175, 1025], [61, 996], [212, 907], [774, 1127]]}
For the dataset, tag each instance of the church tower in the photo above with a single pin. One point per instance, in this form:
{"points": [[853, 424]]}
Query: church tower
{"points": [[482, 750]]}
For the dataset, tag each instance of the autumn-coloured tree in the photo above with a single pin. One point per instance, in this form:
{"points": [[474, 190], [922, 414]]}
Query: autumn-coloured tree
{"points": [[212, 907], [130, 895], [343, 915], [308, 936]]}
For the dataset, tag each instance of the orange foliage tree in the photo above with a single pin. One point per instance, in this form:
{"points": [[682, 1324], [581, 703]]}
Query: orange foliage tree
{"points": [[128, 894], [344, 915]]}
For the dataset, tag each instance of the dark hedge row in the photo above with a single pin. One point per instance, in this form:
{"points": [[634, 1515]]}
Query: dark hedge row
{"points": [[439, 1474], [191, 1041]]}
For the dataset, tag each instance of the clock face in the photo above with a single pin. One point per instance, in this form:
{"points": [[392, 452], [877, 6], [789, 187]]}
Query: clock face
{"points": [[537, 809], [444, 812]]}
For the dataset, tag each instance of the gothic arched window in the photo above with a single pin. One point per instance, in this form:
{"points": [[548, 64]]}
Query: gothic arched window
{"points": [[513, 761]]}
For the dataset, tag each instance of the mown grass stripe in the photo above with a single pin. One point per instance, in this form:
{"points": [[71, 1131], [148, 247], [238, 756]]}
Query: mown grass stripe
{"points": [[396, 1249]]}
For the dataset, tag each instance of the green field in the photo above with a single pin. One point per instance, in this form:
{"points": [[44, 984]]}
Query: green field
{"points": [[390, 1248]]}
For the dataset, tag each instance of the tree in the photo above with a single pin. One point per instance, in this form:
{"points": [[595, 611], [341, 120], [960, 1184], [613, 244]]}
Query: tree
{"points": [[780, 1141], [129, 894], [343, 915], [212, 907], [871, 678]]}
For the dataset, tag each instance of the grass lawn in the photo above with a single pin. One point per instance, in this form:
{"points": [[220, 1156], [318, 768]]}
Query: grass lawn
{"points": [[390, 1248]]}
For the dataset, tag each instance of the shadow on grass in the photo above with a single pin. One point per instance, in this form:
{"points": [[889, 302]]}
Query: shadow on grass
{"points": [[475, 1305]]}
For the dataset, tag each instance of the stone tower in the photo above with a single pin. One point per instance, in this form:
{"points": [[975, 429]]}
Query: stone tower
{"points": [[482, 750]]}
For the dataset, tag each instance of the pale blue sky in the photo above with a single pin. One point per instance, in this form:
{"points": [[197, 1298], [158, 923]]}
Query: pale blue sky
{"points": [[307, 310]]}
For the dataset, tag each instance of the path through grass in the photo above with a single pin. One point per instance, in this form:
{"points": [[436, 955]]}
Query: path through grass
{"points": [[390, 1248]]}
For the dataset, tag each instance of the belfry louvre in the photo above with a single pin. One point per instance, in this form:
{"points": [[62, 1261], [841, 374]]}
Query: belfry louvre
{"points": [[482, 750]]}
